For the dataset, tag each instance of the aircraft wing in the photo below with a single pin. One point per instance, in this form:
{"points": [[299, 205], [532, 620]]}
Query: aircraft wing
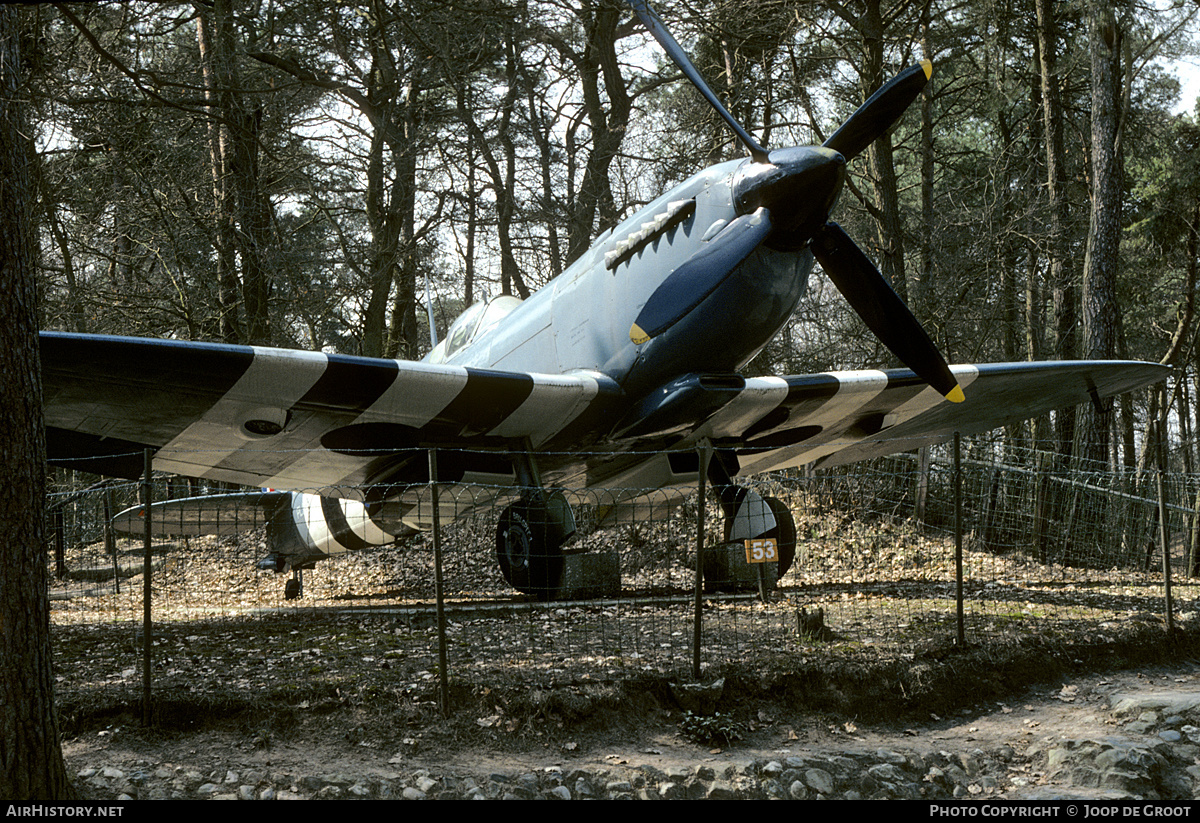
{"points": [[278, 418], [309, 421], [842, 417]]}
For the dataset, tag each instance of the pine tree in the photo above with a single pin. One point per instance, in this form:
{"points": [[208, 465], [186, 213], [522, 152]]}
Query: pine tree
{"points": [[31, 763]]}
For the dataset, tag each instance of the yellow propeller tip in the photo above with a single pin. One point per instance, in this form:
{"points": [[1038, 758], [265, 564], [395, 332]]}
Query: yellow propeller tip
{"points": [[927, 65], [956, 394], [637, 335]]}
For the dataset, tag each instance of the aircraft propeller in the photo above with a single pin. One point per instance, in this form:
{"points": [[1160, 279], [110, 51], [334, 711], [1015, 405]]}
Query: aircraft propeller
{"points": [[779, 197], [881, 111]]}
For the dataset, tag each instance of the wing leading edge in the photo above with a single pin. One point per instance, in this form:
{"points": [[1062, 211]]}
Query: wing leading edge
{"points": [[842, 417], [308, 421], [284, 419]]}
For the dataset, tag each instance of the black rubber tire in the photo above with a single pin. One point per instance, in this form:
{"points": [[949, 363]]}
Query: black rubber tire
{"points": [[784, 531], [529, 561], [291, 589]]}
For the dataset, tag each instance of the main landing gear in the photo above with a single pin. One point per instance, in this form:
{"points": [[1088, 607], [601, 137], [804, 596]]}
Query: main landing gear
{"points": [[531, 533], [784, 530], [529, 539], [748, 515]]}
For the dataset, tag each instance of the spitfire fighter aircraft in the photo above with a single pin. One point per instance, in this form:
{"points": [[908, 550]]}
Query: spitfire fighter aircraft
{"points": [[609, 377]]}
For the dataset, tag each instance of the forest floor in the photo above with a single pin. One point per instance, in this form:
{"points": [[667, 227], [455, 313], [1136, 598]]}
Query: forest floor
{"points": [[348, 682]]}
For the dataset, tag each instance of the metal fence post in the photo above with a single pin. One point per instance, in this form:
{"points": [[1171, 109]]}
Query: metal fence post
{"points": [[444, 675], [147, 623], [110, 539], [1163, 522], [60, 544], [958, 539], [704, 452]]}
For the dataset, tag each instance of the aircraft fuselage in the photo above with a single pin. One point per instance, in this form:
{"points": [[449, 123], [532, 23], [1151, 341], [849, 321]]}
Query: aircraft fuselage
{"points": [[581, 320]]}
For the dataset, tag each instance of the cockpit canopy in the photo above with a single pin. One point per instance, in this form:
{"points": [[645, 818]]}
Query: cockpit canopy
{"points": [[471, 324]]}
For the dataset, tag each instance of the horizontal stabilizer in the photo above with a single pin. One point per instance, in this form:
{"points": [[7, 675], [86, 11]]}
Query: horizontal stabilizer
{"points": [[219, 514]]}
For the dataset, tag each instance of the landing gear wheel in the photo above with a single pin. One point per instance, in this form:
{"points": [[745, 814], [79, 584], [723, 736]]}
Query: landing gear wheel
{"points": [[291, 589], [784, 532], [530, 560]]}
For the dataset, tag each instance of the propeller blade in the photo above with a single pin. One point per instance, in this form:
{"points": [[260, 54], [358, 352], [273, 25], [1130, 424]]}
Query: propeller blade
{"points": [[880, 112], [882, 309], [654, 25], [698, 277]]}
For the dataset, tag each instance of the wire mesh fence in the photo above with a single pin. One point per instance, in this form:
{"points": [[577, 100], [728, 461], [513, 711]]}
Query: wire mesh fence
{"points": [[1046, 549]]}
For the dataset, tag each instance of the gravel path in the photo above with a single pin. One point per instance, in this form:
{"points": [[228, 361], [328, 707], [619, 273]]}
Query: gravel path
{"points": [[1129, 735]]}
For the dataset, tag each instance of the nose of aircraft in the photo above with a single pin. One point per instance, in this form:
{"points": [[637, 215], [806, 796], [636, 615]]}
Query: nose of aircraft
{"points": [[799, 187]]}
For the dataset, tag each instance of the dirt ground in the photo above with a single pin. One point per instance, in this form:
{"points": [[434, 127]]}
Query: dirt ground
{"points": [[328, 691], [346, 741]]}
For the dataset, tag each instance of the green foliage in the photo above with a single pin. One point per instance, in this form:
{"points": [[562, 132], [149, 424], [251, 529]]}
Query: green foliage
{"points": [[717, 729], [391, 140]]}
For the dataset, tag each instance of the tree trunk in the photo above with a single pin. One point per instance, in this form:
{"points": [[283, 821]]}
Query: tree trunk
{"points": [[503, 178], [1100, 317], [254, 239], [888, 220], [214, 68], [540, 128], [402, 340], [1061, 278], [608, 124], [243, 210], [390, 100], [923, 293], [31, 763], [385, 243]]}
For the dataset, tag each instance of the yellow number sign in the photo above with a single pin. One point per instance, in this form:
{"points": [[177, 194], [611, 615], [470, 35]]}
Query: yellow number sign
{"points": [[762, 550]]}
